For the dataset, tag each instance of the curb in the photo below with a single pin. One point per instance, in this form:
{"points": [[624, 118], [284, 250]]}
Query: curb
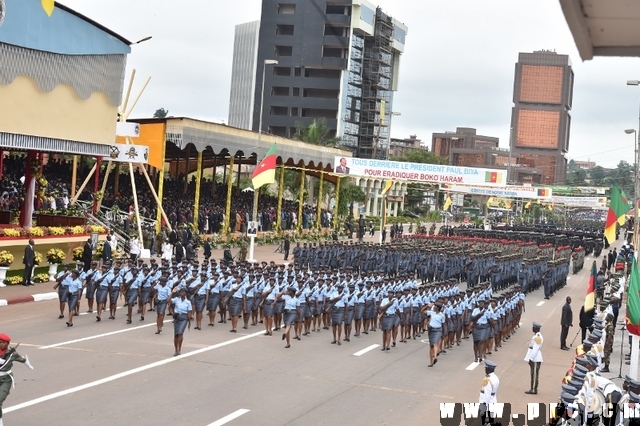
{"points": [[31, 298]]}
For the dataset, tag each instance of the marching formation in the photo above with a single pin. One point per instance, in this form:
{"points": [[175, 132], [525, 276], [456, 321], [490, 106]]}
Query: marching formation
{"points": [[300, 301]]}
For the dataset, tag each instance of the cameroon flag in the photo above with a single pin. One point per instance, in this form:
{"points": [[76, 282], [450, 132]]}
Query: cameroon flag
{"points": [[265, 172], [633, 301], [590, 300], [492, 177], [617, 208]]}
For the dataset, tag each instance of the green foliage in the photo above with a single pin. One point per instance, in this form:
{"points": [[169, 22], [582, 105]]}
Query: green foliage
{"points": [[349, 194], [421, 156], [160, 113], [317, 133]]}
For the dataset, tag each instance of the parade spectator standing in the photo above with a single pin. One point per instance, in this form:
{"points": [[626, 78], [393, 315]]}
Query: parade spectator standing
{"points": [[106, 251], [87, 255], [566, 321], [28, 260]]}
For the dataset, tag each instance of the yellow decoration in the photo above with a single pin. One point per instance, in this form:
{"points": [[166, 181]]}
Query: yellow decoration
{"points": [[447, 203], [485, 381], [538, 340], [48, 6]]}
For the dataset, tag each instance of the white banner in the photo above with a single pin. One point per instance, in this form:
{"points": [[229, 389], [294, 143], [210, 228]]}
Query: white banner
{"points": [[123, 153], [502, 192], [128, 129], [581, 201], [419, 172]]}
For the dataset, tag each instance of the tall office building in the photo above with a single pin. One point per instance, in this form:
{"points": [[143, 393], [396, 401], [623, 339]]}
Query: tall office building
{"points": [[338, 60], [243, 78], [540, 119]]}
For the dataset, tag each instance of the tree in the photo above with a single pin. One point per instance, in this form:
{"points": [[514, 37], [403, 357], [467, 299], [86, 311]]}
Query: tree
{"points": [[421, 156], [572, 166], [577, 177], [160, 113], [349, 193], [317, 133], [597, 176]]}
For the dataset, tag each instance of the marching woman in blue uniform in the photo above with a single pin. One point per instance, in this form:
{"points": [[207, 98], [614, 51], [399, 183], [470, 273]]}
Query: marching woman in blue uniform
{"points": [[268, 299], [235, 303], [90, 279], [388, 318], [102, 290], [214, 286], [162, 292], [63, 279], [349, 313], [114, 292], [199, 300], [291, 312], [338, 302], [182, 312], [480, 327], [145, 290], [75, 288], [132, 291], [7, 357], [436, 321]]}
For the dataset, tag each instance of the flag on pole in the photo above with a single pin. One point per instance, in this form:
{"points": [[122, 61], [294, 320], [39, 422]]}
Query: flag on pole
{"points": [[265, 172], [387, 187], [623, 218], [528, 205], [489, 201], [633, 301], [590, 300], [617, 208], [447, 203]]}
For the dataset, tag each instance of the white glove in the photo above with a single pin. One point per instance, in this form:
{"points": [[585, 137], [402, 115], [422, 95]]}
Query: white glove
{"points": [[2, 361], [27, 363]]}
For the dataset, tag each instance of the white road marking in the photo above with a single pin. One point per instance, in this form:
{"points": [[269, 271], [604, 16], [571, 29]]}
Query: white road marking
{"points": [[97, 336], [127, 373], [520, 324], [365, 350], [568, 278], [3, 302], [232, 416], [540, 303], [472, 366]]}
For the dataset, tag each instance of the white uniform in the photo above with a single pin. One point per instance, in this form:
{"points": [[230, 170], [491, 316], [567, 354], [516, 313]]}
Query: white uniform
{"points": [[534, 352], [489, 389]]}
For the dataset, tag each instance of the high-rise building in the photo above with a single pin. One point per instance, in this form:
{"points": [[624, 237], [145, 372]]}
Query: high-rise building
{"points": [[337, 60], [540, 119]]}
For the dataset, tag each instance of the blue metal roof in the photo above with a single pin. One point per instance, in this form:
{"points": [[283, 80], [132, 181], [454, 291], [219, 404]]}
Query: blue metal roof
{"points": [[26, 24]]}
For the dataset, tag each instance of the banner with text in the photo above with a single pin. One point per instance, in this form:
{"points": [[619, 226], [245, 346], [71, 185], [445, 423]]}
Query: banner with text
{"points": [[502, 191], [580, 201], [419, 172]]}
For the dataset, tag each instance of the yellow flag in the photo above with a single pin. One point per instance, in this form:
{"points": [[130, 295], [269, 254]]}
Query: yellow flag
{"points": [[447, 203], [48, 6], [489, 201], [510, 204], [387, 186], [550, 206], [528, 205]]}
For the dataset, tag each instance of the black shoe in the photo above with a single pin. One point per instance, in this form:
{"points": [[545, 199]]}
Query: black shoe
{"points": [[531, 392], [605, 370], [564, 348]]}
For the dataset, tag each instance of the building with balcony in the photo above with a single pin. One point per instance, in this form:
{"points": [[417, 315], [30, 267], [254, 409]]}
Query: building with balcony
{"points": [[399, 147], [337, 60]]}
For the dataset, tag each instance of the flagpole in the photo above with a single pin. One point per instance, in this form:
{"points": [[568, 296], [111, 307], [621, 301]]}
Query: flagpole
{"points": [[633, 364]]}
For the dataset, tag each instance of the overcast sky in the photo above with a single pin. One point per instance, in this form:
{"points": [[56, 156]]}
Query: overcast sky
{"points": [[457, 69]]}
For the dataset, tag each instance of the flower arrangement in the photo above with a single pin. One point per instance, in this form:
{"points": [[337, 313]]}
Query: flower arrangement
{"points": [[37, 258], [6, 258], [11, 232], [15, 280], [40, 278], [55, 256], [77, 253], [56, 230], [36, 231], [76, 230], [96, 228]]}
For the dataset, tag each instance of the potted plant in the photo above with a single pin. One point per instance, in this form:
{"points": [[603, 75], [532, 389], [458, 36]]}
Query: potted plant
{"points": [[55, 257], [37, 258], [77, 253], [6, 259]]}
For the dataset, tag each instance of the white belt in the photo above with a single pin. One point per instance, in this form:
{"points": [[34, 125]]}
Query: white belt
{"points": [[9, 373]]}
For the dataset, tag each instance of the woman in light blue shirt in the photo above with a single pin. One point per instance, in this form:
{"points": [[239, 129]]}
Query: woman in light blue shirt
{"points": [[200, 299], [337, 301], [114, 292], [214, 286], [291, 312], [63, 279], [387, 312], [162, 293], [436, 322], [268, 299], [182, 312], [75, 288]]}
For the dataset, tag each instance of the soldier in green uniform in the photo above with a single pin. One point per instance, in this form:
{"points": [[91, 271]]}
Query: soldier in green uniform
{"points": [[608, 344], [7, 357]]}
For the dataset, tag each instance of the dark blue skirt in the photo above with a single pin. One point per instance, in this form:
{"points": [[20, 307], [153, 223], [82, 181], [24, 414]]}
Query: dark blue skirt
{"points": [[268, 308], [113, 295], [72, 300], [387, 322], [198, 302], [213, 302], [435, 334], [235, 306], [337, 316], [63, 293], [349, 314], [132, 296], [179, 324], [161, 306], [359, 311], [290, 317], [101, 294]]}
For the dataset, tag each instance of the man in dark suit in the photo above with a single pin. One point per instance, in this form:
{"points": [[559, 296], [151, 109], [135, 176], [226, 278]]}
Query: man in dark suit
{"points": [[342, 168], [611, 260], [28, 261], [87, 255], [286, 246], [566, 321], [106, 252]]}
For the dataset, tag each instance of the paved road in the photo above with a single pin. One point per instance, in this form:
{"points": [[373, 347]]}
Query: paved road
{"points": [[112, 373]]}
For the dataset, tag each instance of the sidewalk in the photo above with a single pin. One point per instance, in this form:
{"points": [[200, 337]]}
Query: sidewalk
{"points": [[11, 295]]}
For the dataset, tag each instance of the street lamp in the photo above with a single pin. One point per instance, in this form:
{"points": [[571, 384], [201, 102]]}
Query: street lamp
{"points": [[256, 191], [142, 40], [633, 370], [635, 169]]}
